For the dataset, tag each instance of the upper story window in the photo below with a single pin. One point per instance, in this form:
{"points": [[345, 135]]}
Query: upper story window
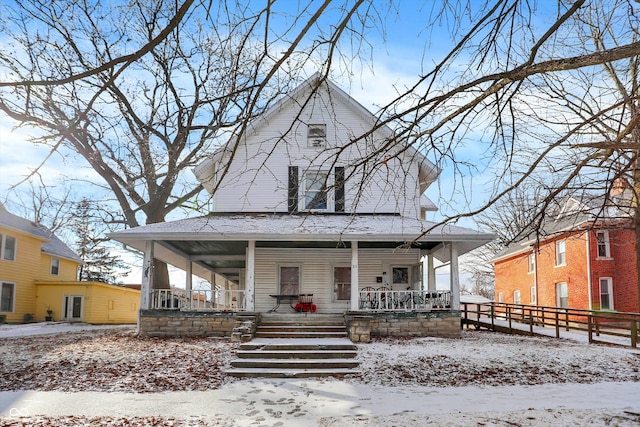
{"points": [[55, 266], [7, 247], [315, 190], [531, 262], [561, 252], [316, 135], [604, 249]]}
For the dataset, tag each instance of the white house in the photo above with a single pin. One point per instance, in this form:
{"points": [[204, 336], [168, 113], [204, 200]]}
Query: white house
{"points": [[310, 201]]}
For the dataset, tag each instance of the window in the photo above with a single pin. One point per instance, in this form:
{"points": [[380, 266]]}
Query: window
{"points": [[602, 239], [400, 275], [562, 295], [532, 262], [55, 266], [289, 280], [342, 283], [8, 248], [7, 297], [533, 298], [316, 136], [606, 294], [561, 253], [516, 297], [315, 190]]}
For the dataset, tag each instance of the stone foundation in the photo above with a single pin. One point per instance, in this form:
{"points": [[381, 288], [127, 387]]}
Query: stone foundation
{"points": [[362, 328], [163, 323]]}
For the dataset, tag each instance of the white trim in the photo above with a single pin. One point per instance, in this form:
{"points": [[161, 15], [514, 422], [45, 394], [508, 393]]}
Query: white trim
{"points": [[13, 295], [355, 285], [606, 243], [3, 246], [609, 281]]}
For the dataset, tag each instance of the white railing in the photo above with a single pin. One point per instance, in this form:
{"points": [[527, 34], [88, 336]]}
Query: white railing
{"points": [[382, 299], [197, 300]]}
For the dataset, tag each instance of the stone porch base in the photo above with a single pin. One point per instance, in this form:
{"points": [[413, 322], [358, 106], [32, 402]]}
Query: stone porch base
{"points": [[241, 326], [362, 327]]}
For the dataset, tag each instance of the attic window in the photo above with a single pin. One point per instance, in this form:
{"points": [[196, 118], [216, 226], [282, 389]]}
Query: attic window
{"points": [[316, 136]]}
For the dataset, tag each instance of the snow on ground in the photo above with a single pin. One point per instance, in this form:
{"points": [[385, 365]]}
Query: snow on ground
{"points": [[483, 379]]}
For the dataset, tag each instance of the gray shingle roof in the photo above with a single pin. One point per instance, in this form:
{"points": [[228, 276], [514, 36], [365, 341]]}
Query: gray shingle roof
{"points": [[51, 243]]}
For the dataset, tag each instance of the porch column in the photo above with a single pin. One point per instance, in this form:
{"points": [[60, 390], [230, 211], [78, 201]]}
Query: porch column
{"points": [[213, 289], [431, 273], [249, 285], [147, 276], [454, 276], [355, 294], [189, 278]]}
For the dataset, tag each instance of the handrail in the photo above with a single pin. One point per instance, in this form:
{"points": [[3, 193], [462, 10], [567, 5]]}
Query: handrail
{"points": [[595, 323], [197, 300], [384, 299]]}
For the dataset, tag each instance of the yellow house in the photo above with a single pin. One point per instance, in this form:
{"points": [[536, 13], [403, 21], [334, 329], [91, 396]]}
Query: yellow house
{"points": [[90, 302], [38, 272]]}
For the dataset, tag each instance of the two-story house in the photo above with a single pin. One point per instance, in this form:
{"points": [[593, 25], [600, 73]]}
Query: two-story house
{"points": [[310, 200], [38, 275], [583, 258]]}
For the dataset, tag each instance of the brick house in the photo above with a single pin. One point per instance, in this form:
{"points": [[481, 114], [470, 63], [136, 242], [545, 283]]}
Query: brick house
{"points": [[580, 259]]}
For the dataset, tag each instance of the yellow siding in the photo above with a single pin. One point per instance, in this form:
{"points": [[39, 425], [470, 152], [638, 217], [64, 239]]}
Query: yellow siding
{"points": [[22, 272], [67, 272], [102, 303]]}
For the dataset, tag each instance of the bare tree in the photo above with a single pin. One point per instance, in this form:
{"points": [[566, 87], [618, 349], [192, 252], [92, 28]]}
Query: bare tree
{"points": [[144, 89]]}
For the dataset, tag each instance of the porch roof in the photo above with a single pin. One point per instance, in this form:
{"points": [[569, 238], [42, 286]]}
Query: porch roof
{"points": [[219, 241]]}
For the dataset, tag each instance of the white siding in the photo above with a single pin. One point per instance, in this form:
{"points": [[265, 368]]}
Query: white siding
{"points": [[316, 272], [257, 179]]}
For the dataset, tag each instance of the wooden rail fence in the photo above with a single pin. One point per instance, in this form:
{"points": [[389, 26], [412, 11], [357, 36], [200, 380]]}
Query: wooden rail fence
{"points": [[596, 324]]}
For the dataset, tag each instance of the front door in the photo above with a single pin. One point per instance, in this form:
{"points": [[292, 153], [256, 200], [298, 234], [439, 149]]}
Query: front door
{"points": [[73, 308]]}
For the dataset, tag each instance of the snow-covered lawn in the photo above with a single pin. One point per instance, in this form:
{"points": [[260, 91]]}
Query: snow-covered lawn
{"points": [[480, 362]]}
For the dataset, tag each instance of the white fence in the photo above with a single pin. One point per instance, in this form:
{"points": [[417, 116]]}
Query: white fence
{"points": [[197, 300], [384, 299]]}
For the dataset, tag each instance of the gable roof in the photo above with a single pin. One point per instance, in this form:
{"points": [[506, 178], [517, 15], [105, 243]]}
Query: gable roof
{"points": [[51, 244], [572, 215], [428, 172]]}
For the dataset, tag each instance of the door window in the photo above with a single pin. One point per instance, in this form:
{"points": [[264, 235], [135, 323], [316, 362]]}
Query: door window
{"points": [[289, 280], [342, 283]]}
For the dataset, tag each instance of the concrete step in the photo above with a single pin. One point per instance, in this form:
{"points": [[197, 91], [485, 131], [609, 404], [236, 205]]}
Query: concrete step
{"points": [[300, 335], [290, 373], [296, 354], [300, 364], [301, 328]]}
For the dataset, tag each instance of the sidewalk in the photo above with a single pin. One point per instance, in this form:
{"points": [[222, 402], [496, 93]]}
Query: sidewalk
{"points": [[291, 401], [47, 328]]}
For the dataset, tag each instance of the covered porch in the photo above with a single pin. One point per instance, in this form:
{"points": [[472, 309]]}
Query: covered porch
{"points": [[261, 263]]}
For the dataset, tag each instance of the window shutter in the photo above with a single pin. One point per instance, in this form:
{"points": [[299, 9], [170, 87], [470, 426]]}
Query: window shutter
{"points": [[339, 188], [292, 205]]}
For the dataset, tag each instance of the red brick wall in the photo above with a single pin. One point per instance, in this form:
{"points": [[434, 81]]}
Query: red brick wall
{"points": [[511, 274], [620, 267]]}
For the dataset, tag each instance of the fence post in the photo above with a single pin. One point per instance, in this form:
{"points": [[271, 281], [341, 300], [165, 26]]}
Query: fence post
{"points": [[557, 323], [466, 319], [566, 321], [478, 307], [543, 321], [590, 327], [634, 333], [509, 317], [493, 317], [531, 321]]}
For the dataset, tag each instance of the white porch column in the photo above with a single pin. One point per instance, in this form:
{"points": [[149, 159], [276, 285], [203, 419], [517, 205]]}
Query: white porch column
{"points": [[189, 276], [454, 273], [147, 276], [355, 294], [212, 282], [249, 285], [431, 273]]}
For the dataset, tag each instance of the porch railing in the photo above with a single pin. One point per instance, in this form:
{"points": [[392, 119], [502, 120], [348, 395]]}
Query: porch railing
{"points": [[197, 300], [382, 299]]}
